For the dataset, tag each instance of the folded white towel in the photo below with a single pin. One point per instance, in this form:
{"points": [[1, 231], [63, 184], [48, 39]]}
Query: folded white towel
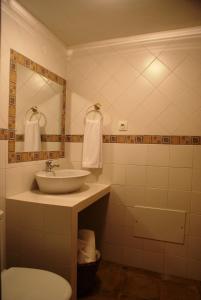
{"points": [[92, 145], [86, 246], [32, 139]]}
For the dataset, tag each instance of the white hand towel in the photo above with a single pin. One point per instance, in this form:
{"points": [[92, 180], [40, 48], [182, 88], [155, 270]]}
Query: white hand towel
{"points": [[32, 139], [86, 246], [92, 146]]}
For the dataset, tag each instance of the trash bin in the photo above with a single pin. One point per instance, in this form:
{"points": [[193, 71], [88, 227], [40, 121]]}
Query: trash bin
{"points": [[86, 275]]}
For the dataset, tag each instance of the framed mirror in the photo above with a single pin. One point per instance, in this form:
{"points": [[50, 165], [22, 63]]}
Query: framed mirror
{"points": [[37, 101]]}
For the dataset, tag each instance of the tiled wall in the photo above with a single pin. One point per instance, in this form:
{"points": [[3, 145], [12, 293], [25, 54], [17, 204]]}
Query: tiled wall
{"points": [[156, 88], [33, 42], [166, 176], [47, 51]]}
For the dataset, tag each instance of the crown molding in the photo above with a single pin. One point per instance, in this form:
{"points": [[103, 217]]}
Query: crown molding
{"points": [[170, 35], [28, 22]]}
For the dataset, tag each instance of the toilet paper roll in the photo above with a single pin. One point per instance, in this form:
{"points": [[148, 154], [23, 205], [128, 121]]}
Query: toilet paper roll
{"points": [[86, 246]]}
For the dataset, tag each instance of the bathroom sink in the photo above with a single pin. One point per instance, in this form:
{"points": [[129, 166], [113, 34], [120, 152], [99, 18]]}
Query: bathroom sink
{"points": [[61, 181]]}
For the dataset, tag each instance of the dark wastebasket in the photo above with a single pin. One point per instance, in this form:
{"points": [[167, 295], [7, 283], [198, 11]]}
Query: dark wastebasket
{"points": [[86, 275]]}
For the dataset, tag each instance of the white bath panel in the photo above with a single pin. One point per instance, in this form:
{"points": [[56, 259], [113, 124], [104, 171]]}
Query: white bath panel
{"points": [[159, 224]]}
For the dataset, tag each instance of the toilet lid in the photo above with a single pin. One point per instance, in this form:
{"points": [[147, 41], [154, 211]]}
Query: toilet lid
{"points": [[34, 284]]}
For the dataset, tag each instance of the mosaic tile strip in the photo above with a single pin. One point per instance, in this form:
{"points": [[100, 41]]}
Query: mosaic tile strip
{"points": [[15, 58], [15, 157], [44, 138], [142, 139], [3, 134]]}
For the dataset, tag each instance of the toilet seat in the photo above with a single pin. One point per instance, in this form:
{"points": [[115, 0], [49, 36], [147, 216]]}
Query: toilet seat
{"points": [[34, 284]]}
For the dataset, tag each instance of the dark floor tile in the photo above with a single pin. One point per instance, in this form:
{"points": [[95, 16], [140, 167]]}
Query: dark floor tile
{"points": [[98, 297], [178, 291], [116, 282], [140, 285], [110, 279]]}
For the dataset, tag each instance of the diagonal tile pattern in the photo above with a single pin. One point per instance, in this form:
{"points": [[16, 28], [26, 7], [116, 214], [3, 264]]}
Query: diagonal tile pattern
{"points": [[156, 82]]}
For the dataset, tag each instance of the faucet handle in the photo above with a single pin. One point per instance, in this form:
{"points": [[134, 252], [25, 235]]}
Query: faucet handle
{"points": [[49, 162], [50, 165]]}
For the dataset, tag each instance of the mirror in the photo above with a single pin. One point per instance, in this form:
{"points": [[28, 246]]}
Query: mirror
{"points": [[36, 111]]}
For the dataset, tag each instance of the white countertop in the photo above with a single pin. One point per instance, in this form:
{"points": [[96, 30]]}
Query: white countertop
{"points": [[79, 200]]}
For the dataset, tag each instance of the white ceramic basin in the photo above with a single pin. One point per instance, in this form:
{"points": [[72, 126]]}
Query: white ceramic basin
{"points": [[61, 181]]}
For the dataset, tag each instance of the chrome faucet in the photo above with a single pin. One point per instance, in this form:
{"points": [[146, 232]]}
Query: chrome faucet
{"points": [[50, 165]]}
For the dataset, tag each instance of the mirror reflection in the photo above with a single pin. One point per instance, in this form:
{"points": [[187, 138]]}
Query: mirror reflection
{"points": [[38, 111]]}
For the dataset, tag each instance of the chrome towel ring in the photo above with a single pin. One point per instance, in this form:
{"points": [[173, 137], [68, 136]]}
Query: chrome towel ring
{"points": [[34, 112], [94, 108]]}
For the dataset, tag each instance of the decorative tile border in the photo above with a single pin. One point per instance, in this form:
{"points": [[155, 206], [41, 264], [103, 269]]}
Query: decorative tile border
{"points": [[13, 156], [142, 139], [3, 134], [44, 138]]}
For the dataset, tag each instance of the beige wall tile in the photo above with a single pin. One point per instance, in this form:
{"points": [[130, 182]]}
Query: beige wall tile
{"points": [[158, 155], [118, 194], [132, 242], [115, 235], [194, 269], [197, 157], [153, 261], [154, 246], [136, 154], [172, 249], [105, 175], [175, 265], [181, 156], [116, 214], [3, 154], [194, 248], [74, 152], [112, 252], [156, 72], [157, 177], [119, 154], [180, 179], [196, 186], [196, 203], [195, 225], [179, 200], [118, 174], [24, 177], [132, 257], [136, 175], [156, 197], [134, 195]]}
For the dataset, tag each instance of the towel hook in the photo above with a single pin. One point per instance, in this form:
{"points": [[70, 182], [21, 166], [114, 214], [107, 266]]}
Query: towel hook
{"points": [[34, 110], [94, 108]]}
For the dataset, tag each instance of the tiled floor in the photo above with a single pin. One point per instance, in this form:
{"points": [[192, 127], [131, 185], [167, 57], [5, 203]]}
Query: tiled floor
{"points": [[118, 282]]}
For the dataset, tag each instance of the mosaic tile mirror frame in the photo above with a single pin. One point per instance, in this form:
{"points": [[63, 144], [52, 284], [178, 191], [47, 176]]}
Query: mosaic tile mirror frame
{"points": [[13, 155]]}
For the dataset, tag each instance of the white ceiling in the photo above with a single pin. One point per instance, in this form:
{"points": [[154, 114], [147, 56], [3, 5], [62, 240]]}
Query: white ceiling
{"points": [[82, 21]]}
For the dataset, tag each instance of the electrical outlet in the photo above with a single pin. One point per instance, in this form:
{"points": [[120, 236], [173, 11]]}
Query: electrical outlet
{"points": [[123, 125]]}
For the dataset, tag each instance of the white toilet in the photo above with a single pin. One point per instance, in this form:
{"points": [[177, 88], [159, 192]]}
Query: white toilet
{"points": [[33, 284]]}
